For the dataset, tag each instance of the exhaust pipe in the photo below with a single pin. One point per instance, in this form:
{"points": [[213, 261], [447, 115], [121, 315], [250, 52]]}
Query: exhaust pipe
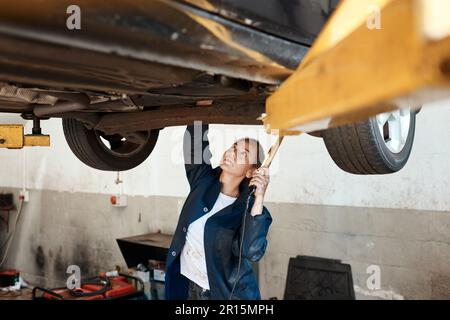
{"points": [[67, 102]]}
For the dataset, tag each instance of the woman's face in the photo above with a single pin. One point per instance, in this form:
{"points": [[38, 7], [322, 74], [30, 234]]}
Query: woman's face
{"points": [[240, 159]]}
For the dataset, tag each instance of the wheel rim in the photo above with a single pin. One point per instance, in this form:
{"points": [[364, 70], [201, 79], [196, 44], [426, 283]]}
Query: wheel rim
{"points": [[394, 128], [118, 145]]}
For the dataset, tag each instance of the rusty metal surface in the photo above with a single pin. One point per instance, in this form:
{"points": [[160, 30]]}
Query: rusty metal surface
{"points": [[48, 65], [14, 93], [167, 32], [230, 112], [295, 20], [66, 102]]}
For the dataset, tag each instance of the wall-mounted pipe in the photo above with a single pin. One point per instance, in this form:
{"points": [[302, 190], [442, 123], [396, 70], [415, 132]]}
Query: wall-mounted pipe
{"points": [[67, 102], [24, 170]]}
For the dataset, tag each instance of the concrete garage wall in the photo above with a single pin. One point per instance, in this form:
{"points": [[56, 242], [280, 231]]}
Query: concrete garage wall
{"points": [[399, 222], [303, 173], [59, 229], [412, 248]]}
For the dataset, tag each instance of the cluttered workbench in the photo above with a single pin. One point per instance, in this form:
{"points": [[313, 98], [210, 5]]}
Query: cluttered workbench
{"points": [[23, 294], [145, 257]]}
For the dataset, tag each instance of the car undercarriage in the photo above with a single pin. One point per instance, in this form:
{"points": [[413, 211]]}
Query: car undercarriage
{"points": [[135, 67]]}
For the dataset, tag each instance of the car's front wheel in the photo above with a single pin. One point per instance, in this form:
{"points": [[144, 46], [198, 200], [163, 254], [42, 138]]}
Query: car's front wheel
{"points": [[117, 152], [380, 145]]}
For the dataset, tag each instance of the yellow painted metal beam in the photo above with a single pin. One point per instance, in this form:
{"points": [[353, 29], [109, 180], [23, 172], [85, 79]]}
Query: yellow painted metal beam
{"points": [[39, 140], [348, 17], [356, 70], [12, 137]]}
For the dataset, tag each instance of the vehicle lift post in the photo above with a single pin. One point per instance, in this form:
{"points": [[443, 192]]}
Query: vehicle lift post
{"points": [[12, 136], [354, 71]]}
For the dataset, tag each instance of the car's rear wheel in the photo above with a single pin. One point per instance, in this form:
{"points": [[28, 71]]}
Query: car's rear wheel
{"points": [[117, 152], [380, 145]]}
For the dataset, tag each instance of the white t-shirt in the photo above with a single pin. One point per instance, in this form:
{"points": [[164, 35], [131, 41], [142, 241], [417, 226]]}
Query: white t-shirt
{"points": [[192, 259]]}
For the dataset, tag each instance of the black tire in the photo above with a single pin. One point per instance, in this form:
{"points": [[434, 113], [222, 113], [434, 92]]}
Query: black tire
{"points": [[360, 148], [88, 146]]}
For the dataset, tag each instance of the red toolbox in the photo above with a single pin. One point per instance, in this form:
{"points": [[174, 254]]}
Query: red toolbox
{"points": [[9, 277], [98, 288]]}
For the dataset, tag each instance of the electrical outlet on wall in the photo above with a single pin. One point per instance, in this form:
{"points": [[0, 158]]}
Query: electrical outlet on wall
{"points": [[119, 200], [24, 195]]}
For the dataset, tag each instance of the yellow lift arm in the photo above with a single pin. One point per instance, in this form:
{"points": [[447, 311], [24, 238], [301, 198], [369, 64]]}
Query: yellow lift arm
{"points": [[12, 137], [373, 56]]}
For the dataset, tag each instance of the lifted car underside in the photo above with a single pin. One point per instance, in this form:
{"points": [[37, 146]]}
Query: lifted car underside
{"points": [[138, 65]]}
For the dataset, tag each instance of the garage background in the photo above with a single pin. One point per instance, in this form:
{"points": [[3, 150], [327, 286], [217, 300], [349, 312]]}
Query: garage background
{"points": [[399, 222]]}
